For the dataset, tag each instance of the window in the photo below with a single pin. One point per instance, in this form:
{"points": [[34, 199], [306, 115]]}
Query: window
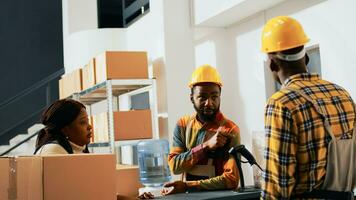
{"points": [[313, 66], [140, 101]]}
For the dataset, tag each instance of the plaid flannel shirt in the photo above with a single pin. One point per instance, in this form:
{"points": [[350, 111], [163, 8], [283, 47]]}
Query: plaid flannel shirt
{"points": [[297, 142], [184, 156]]}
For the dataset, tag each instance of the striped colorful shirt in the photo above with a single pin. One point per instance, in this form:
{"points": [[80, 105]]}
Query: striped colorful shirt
{"points": [[296, 150], [187, 151]]}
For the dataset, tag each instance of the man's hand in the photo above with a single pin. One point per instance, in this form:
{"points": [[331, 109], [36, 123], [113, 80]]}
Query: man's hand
{"points": [[178, 187], [216, 141]]}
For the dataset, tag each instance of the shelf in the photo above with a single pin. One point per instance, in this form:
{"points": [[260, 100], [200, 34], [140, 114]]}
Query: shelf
{"points": [[109, 90], [162, 115], [121, 166], [129, 142], [98, 144], [99, 91], [117, 143]]}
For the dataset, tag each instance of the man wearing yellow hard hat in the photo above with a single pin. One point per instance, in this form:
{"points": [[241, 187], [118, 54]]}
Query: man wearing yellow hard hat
{"points": [[201, 140], [309, 122]]}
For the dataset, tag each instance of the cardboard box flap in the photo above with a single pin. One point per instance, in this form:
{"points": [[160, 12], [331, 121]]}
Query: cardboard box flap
{"points": [[21, 178]]}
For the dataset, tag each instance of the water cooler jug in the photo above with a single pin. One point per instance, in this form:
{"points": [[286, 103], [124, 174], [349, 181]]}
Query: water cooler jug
{"points": [[153, 165]]}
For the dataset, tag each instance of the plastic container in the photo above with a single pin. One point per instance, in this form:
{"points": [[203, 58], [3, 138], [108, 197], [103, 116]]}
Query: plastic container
{"points": [[153, 162]]}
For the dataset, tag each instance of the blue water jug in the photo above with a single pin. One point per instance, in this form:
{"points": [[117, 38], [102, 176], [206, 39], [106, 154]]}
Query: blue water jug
{"points": [[153, 162]]}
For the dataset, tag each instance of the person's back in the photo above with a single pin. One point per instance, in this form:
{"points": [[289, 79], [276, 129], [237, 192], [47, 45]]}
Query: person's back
{"points": [[306, 136], [309, 123]]}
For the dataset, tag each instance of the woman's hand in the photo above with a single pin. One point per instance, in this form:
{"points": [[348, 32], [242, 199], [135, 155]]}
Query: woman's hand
{"points": [[146, 195], [169, 188], [174, 187]]}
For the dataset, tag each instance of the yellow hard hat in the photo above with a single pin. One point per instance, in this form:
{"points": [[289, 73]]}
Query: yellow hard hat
{"points": [[205, 74], [282, 33]]}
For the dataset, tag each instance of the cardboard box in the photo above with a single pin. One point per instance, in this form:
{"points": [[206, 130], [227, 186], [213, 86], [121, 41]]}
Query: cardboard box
{"points": [[70, 83], [101, 127], [89, 79], [121, 65], [128, 125], [90, 119], [127, 180], [131, 125], [79, 177], [128, 155], [85, 176]]}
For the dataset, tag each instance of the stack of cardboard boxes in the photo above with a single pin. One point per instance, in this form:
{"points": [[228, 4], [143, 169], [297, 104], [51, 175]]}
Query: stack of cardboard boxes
{"points": [[69, 177], [107, 66], [89, 75]]}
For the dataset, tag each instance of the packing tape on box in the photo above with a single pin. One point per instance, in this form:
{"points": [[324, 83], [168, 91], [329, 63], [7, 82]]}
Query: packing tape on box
{"points": [[12, 190]]}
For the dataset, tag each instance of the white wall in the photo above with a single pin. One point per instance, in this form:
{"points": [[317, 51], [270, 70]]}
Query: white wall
{"points": [[147, 34], [84, 45], [179, 57], [223, 13], [82, 14], [205, 9], [78, 15]]}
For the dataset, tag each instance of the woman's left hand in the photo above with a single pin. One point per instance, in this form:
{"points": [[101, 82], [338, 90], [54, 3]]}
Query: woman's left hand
{"points": [[174, 187], [146, 195]]}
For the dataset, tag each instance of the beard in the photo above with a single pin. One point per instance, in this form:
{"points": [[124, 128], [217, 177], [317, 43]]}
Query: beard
{"points": [[206, 117]]}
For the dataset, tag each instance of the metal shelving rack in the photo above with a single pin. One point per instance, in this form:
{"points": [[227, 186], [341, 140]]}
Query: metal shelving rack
{"points": [[110, 90]]}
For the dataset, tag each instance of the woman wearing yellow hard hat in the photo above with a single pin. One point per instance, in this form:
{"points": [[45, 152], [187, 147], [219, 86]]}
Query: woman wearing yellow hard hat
{"points": [[302, 122]]}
